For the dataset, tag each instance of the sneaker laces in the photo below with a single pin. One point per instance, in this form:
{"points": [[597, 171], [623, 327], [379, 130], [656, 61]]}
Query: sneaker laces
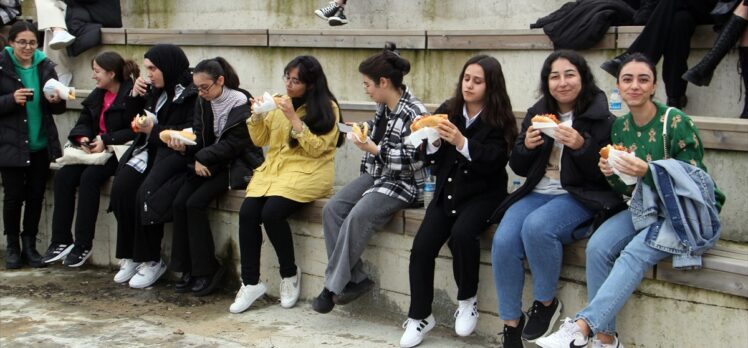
{"points": [[329, 10], [467, 306], [60, 248], [534, 309], [567, 330], [240, 293], [123, 263], [287, 287]]}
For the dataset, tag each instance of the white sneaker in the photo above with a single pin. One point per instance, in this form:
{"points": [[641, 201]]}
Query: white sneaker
{"points": [[466, 316], [289, 289], [416, 330], [127, 269], [148, 273], [569, 335], [597, 344], [60, 40], [246, 296]]}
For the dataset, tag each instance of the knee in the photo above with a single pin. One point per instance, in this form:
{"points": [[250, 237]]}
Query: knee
{"points": [[501, 244], [463, 238], [194, 204], [270, 216], [597, 251], [683, 20], [421, 252], [64, 179]]}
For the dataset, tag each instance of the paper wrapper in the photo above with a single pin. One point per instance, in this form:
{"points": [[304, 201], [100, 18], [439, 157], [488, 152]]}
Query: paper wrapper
{"points": [[267, 105], [65, 92], [428, 133], [549, 128], [613, 156], [352, 136]]}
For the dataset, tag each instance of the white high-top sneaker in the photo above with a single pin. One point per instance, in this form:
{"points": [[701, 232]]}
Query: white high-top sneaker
{"points": [[247, 295], [466, 316], [416, 330]]}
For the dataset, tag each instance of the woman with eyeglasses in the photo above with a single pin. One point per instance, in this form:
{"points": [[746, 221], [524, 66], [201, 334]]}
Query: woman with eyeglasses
{"points": [[150, 173], [224, 158], [301, 136], [28, 140]]}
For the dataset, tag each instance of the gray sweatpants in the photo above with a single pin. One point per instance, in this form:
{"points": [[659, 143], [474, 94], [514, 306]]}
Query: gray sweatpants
{"points": [[349, 221]]}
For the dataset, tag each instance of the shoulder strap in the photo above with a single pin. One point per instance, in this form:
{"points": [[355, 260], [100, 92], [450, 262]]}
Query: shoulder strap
{"points": [[664, 133]]}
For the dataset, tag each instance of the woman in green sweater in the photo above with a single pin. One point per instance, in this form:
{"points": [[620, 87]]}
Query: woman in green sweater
{"points": [[28, 140], [617, 254]]}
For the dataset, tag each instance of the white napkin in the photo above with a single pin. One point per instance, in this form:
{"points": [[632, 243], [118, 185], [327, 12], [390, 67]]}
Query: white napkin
{"points": [[352, 136], [549, 128], [428, 133], [613, 157], [53, 85], [267, 105]]}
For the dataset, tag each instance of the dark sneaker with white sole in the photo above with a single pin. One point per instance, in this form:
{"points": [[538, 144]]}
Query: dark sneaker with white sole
{"points": [[338, 18], [540, 320], [511, 337], [327, 11], [353, 291], [77, 257], [56, 252]]}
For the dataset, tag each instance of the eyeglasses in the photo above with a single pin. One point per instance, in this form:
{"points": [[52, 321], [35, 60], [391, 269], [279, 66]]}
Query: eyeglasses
{"points": [[205, 89], [294, 81], [24, 43]]}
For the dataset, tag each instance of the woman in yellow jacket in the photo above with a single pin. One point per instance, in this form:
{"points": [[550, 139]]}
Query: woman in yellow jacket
{"points": [[301, 135]]}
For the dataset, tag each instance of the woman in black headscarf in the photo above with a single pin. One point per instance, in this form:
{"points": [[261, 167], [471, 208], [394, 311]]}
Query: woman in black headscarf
{"points": [[150, 172]]}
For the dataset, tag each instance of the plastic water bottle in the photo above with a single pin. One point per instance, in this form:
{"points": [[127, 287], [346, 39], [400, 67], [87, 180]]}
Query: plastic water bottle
{"points": [[615, 101], [515, 185], [428, 188]]}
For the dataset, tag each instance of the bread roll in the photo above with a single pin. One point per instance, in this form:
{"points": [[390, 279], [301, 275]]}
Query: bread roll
{"points": [[361, 130], [165, 136], [545, 118], [428, 121]]}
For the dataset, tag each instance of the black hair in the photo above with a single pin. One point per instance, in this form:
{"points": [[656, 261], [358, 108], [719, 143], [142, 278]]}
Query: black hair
{"points": [[497, 110], [216, 67], [641, 58], [111, 61], [589, 87], [387, 64], [21, 26], [319, 118]]}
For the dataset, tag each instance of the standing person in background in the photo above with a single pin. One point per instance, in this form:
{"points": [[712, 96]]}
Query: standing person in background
{"points": [[224, 158], [333, 13], [563, 191], [103, 121], [469, 163], [391, 176], [150, 173], [29, 140], [301, 135]]}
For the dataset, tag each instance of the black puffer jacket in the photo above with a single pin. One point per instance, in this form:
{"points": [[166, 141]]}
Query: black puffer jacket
{"points": [[234, 148], [14, 149], [580, 175], [116, 118]]}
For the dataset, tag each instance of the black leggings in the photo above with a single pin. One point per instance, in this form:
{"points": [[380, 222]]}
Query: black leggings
{"points": [[272, 212], [24, 185]]}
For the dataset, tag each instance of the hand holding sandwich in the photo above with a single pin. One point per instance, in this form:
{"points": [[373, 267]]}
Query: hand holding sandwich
{"points": [[569, 137], [451, 134]]}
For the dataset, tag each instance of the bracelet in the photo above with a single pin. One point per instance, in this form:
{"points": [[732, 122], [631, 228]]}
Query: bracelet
{"points": [[297, 135]]}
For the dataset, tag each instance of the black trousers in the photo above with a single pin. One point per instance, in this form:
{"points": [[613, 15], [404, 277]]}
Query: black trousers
{"points": [[88, 180], [668, 33], [463, 233], [273, 213], [192, 247], [24, 185]]}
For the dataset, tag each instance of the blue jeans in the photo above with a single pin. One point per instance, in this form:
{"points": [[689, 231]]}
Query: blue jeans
{"points": [[537, 226], [617, 258]]}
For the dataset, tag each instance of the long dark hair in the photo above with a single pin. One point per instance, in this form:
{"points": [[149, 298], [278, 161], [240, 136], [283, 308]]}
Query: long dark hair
{"points": [[497, 110], [124, 70], [21, 26], [216, 67], [589, 87], [387, 64], [320, 118]]}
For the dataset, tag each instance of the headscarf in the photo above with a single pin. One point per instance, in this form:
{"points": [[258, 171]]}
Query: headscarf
{"points": [[172, 62]]}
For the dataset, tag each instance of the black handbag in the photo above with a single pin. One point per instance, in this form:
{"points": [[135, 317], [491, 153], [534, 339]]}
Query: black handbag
{"points": [[723, 10]]}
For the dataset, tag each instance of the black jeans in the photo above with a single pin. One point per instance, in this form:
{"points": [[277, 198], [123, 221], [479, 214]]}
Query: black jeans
{"points": [[463, 233], [272, 212], [192, 247], [88, 180], [24, 185], [668, 33], [123, 204]]}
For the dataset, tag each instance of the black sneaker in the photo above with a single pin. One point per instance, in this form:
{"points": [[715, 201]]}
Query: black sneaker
{"points": [[323, 303], [511, 337], [540, 319], [613, 66], [327, 11], [338, 18], [57, 251], [185, 283], [77, 257], [352, 291]]}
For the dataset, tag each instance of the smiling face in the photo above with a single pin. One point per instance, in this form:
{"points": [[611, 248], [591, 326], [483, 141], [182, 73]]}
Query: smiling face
{"points": [[104, 79], [636, 84], [295, 88], [564, 84], [474, 84], [208, 88], [154, 74], [24, 51]]}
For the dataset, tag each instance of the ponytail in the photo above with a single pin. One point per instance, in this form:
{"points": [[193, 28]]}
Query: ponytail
{"points": [[130, 70], [217, 67]]}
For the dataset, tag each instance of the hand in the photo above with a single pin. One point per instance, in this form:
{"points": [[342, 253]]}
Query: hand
{"points": [[54, 97], [533, 138], [21, 95], [176, 145], [605, 167], [201, 170], [368, 146], [139, 88], [449, 132], [98, 145], [286, 106], [147, 128], [631, 165], [569, 137]]}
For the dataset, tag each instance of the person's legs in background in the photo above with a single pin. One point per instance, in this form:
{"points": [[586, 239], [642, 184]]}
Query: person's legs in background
{"points": [[51, 16]]}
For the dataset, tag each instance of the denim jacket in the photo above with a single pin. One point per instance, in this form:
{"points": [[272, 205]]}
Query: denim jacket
{"points": [[680, 214]]}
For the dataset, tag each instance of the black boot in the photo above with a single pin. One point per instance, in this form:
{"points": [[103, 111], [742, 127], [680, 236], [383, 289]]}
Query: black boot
{"points": [[12, 252], [29, 252], [744, 74], [614, 65], [701, 74]]}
